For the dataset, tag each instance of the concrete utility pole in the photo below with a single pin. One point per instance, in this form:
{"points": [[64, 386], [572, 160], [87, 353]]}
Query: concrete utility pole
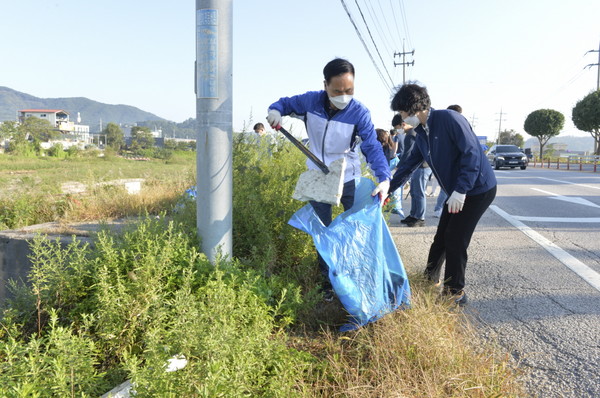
{"points": [[596, 65], [213, 89], [403, 54], [500, 126], [473, 121]]}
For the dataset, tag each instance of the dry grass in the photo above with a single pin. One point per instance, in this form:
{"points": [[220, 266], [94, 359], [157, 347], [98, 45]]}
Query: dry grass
{"points": [[112, 201], [429, 350], [84, 189]]}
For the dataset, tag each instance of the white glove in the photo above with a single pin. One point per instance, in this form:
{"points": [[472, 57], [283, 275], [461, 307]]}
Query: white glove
{"points": [[456, 202], [274, 118], [382, 189]]}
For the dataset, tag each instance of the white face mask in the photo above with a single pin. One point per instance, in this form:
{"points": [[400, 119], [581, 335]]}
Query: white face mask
{"points": [[412, 120], [341, 101]]}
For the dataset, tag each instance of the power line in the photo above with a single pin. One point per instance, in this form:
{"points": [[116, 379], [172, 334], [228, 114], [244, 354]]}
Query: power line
{"points": [[374, 44], [365, 46], [406, 32], [373, 15], [388, 34], [395, 18]]}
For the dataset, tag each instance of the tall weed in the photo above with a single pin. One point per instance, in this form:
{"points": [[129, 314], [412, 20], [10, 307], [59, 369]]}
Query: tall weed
{"points": [[135, 300], [265, 175]]}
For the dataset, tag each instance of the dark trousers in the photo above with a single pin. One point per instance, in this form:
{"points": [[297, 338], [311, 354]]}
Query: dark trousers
{"points": [[452, 239], [324, 211]]}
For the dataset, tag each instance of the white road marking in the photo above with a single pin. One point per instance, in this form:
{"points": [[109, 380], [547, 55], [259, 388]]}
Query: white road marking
{"points": [[570, 199], [569, 182], [577, 220], [584, 271]]}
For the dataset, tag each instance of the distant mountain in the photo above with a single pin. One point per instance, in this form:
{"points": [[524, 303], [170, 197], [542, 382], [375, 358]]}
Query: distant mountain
{"points": [[573, 143], [11, 101]]}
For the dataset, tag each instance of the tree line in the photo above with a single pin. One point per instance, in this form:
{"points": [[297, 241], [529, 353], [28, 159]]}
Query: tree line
{"points": [[26, 138]]}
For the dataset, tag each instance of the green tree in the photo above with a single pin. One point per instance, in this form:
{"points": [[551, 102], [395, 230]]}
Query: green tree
{"points": [[8, 130], [544, 124], [186, 146], [510, 137], [18, 142], [141, 138], [170, 144], [114, 136], [586, 117], [40, 130]]}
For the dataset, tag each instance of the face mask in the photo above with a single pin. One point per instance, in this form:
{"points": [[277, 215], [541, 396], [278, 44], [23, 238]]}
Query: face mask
{"points": [[341, 101], [412, 120]]}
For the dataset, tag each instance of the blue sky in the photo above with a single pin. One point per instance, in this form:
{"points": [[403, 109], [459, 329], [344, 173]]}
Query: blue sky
{"points": [[518, 56]]}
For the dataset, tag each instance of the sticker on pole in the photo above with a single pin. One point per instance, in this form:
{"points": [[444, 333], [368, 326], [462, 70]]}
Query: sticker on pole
{"points": [[207, 51]]}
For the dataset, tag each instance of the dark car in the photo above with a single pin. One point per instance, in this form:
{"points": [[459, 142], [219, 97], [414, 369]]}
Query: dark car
{"points": [[507, 156]]}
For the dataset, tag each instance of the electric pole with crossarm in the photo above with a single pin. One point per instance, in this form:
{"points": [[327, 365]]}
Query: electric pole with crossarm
{"points": [[403, 54], [596, 65]]}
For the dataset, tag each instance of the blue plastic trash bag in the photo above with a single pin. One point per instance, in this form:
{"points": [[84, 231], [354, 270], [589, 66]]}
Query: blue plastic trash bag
{"points": [[188, 195], [365, 269]]}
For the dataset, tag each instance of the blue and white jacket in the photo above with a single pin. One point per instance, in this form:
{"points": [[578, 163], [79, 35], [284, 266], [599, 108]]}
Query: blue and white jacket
{"points": [[331, 139], [453, 152]]}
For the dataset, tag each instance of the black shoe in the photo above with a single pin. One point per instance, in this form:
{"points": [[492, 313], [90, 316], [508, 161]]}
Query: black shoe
{"points": [[408, 219], [415, 223]]}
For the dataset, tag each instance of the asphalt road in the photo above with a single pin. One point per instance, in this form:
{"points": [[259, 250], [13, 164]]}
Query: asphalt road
{"points": [[533, 277]]}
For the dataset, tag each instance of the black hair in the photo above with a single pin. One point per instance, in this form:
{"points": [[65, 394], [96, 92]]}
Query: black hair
{"points": [[337, 67], [258, 126], [456, 108], [396, 120], [410, 98]]}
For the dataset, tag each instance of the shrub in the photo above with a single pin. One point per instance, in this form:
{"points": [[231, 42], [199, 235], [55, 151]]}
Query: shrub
{"points": [[56, 151], [30, 209], [123, 307], [74, 151]]}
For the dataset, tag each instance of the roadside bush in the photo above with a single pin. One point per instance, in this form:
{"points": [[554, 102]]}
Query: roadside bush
{"points": [[30, 209], [22, 148], [56, 151], [74, 151], [91, 317], [264, 178]]}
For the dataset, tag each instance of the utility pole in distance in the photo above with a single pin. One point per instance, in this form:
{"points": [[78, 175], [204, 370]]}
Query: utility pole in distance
{"points": [[473, 121], [499, 126], [596, 65], [403, 54], [214, 93]]}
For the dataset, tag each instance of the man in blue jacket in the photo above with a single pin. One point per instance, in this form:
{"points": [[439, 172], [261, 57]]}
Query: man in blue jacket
{"points": [[335, 121], [447, 143]]}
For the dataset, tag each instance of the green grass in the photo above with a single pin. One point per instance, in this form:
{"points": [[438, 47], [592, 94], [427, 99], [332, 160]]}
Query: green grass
{"points": [[31, 188], [45, 175]]}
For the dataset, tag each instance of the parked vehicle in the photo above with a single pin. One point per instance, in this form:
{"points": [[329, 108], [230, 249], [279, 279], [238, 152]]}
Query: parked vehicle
{"points": [[507, 156]]}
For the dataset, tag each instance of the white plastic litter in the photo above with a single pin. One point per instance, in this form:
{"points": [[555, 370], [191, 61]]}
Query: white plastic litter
{"points": [[320, 187]]}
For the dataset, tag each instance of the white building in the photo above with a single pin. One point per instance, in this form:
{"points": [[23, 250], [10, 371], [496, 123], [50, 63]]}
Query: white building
{"points": [[59, 119]]}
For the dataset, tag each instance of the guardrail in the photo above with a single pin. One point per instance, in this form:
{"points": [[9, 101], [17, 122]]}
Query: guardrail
{"points": [[574, 162]]}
